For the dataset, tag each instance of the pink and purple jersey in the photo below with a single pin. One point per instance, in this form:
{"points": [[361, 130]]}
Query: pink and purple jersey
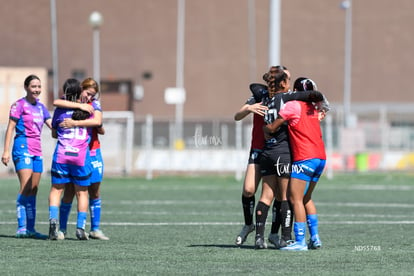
{"points": [[29, 120], [73, 143]]}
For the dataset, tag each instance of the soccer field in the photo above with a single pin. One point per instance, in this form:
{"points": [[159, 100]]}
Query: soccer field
{"points": [[187, 226]]}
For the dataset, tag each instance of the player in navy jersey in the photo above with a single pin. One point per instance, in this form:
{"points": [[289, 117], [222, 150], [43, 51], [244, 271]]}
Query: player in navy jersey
{"points": [[71, 163], [90, 90], [276, 160], [27, 116]]}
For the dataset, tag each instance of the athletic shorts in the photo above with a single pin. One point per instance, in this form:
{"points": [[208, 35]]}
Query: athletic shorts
{"points": [[275, 164], [67, 173], [97, 166], [308, 170], [254, 156], [34, 163]]}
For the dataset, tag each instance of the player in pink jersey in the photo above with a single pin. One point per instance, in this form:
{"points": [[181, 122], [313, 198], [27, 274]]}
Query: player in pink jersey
{"points": [[71, 163], [88, 98], [27, 117], [309, 158]]}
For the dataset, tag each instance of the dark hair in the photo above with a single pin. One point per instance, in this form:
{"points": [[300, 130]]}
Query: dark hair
{"points": [[71, 90], [29, 78], [304, 84], [274, 77]]}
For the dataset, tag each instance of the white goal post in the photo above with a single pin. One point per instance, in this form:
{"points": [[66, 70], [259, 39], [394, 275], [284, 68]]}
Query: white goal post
{"points": [[117, 144]]}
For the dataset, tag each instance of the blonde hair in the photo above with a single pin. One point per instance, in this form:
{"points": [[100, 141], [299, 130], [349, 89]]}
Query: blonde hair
{"points": [[90, 83]]}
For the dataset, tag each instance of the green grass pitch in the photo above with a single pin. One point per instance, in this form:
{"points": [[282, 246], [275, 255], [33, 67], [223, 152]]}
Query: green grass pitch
{"points": [[187, 226]]}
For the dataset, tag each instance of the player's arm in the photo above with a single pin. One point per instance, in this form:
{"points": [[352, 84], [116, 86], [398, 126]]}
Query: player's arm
{"points": [[246, 109], [101, 130], [274, 126], [96, 121], [305, 96], [54, 133], [7, 140], [73, 105], [48, 123]]}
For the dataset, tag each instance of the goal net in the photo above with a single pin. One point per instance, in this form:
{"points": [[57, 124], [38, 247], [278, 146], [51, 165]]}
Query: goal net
{"points": [[117, 143]]}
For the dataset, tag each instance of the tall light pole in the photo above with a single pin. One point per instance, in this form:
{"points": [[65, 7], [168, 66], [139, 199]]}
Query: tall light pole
{"points": [[347, 6], [274, 32], [55, 64], [96, 21], [179, 84]]}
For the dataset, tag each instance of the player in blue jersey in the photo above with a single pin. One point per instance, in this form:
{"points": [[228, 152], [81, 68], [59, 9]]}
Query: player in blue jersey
{"points": [[71, 164], [27, 117], [90, 90]]}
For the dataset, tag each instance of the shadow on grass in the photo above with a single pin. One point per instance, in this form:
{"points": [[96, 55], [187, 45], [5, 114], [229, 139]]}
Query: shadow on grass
{"points": [[8, 236], [222, 246]]}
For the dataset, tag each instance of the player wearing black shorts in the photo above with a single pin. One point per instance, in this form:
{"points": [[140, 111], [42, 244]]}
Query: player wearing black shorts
{"points": [[275, 161]]}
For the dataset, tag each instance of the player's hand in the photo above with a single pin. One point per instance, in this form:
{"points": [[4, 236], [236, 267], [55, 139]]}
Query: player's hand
{"points": [[258, 108], [87, 107], [67, 123], [5, 159]]}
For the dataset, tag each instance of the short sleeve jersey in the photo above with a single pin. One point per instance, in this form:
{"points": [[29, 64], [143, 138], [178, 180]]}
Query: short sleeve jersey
{"points": [[73, 143], [29, 120], [304, 130]]}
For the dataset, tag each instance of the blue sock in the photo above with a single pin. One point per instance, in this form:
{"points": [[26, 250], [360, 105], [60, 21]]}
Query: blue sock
{"points": [[64, 212], [300, 231], [53, 212], [81, 221], [21, 212], [95, 211], [31, 213], [313, 225]]}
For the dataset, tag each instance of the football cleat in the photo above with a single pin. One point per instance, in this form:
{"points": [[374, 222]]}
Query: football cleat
{"points": [[315, 243], [53, 234], [98, 234], [296, 246], [21, 234], [36, 235], [246, 230], [274, 239], [81, 235], [61, 235], [260, 243]]}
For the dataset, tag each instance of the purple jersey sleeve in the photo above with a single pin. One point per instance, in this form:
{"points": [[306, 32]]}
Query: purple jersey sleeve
{"points": [[97, 105]]}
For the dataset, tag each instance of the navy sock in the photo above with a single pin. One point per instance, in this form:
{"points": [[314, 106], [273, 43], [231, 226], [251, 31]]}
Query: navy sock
{"points": [[261, 216], [95, 212], [287, 220], [64, 213], [248, 209], [276, 217]]}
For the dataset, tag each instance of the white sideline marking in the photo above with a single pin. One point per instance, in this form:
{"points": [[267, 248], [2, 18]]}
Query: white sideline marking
{"points": [[223, 223]]}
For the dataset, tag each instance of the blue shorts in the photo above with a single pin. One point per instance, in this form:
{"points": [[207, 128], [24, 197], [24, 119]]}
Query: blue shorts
{"points": [[66, 173], [97, 167], [309, 170], [31, 162]]}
